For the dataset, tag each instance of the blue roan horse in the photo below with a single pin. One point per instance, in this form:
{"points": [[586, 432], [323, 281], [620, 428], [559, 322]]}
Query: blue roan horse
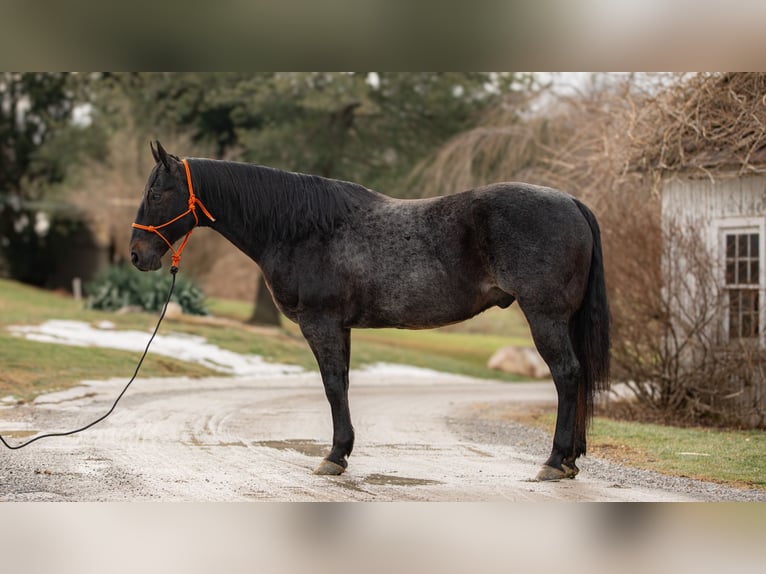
{"points": [[337, 255]]}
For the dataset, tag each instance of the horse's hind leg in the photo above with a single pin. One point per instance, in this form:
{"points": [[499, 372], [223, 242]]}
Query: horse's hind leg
{"points": [[331, 345], [551, 336]]}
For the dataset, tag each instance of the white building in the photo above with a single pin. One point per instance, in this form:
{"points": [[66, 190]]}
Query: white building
{"points": [[726, 294]]}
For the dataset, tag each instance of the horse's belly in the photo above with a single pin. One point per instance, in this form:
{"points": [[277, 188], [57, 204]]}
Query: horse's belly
{"points": [[427, 307]]}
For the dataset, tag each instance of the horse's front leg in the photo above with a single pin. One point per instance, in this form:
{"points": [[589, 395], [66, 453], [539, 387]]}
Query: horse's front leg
{"points": [[331, 344]]}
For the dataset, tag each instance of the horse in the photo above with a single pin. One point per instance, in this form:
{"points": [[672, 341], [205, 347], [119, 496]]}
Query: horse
{"points": [[337, 256]]}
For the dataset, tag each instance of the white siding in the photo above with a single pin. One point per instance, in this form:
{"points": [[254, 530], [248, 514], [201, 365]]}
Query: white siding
{"points": [[685, 199], [713, 207]]}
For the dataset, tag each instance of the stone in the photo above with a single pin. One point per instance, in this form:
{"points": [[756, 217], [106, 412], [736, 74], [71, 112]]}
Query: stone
{"points": [[174, 311], [523, 361]]}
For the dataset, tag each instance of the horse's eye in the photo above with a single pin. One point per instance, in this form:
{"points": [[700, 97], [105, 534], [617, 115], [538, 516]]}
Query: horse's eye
{"points": [[154, 195]]}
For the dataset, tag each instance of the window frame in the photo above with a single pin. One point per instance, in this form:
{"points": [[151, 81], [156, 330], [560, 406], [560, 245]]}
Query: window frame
{"points": [[741, 226]]}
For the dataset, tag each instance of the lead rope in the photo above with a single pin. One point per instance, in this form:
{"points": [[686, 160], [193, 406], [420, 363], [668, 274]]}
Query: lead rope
{"points": [[173, 271]]}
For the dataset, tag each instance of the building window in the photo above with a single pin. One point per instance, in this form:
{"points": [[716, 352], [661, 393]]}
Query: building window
{"points": [[743, 284]]}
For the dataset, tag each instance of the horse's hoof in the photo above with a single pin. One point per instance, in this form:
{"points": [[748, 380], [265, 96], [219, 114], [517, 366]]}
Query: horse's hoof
{"points": [[550, 473], [570, 470], [328, 467]]}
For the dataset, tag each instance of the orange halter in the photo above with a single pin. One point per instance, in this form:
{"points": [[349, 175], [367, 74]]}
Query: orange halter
{"points": [[193, 203]]}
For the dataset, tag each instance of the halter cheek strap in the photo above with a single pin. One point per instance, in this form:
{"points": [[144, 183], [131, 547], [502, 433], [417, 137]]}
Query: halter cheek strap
{"points": [[193, 203]]}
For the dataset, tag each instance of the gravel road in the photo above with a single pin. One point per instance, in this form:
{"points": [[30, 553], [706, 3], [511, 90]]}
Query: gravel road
{"points": [[420, 437]]}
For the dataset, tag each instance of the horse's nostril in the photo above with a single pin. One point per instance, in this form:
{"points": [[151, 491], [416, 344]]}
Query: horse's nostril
{"points": [[134, 257]]}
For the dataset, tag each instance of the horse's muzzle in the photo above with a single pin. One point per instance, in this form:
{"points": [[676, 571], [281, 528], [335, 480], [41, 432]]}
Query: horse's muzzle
{"points": [[144, 255], [144, 261]]}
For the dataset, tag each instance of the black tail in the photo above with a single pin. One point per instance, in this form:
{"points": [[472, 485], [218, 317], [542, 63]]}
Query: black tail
{"points": [[590, 336]]}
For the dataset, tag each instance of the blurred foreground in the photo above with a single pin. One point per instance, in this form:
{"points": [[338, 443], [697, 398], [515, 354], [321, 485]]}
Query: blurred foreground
{"points": [[382, 538]]}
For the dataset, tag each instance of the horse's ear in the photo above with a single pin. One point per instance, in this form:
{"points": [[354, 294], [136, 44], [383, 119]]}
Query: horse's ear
{"points": [[163, 155], [155, 155]]}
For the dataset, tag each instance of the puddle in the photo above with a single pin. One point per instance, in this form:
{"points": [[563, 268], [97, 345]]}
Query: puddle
{"points": [[389, 480], [349, 485], [194, 441], [303, 446]]}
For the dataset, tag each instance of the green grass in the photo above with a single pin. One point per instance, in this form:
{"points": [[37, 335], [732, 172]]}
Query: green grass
{"points": [[24, 305], [505, 324], [461, 349], [732, 457], [30, 368], [452, 352]]}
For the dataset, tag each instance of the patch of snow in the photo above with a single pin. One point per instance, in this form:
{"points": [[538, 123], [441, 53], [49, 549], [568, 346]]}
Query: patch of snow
{"points": [[184, 347], [195, 349], [394, 370], [393, 374]]}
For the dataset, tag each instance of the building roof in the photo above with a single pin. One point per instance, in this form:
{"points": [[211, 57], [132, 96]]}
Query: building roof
{"points": [[710, 122]]}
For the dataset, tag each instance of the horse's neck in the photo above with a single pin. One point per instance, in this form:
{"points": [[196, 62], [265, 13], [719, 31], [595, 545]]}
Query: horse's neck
{"points": [[228, 207]]}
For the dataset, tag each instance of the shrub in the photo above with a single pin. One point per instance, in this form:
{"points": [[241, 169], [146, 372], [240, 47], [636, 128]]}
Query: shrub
{"points": [[120, 286]]}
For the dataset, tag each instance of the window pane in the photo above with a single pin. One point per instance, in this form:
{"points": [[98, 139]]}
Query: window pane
{"points": [[734, 302], [731, 246], [730, 271], [741, 272], [754, 272], [743, 313], [742, 245], [754, 245]]}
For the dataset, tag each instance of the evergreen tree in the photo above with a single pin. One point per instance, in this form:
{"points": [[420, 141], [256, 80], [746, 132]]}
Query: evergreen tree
{"points": [[38, 143]]}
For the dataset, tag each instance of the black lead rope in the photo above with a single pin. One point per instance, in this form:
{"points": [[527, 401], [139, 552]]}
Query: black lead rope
{"points": [[173, 271]]}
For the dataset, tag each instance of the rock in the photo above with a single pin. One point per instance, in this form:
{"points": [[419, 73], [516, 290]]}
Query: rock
{"points": [[174, 311], [129, 309], [522, 361]]}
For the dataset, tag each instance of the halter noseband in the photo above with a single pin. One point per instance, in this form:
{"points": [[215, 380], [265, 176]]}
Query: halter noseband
{"points": [[193, 203]]}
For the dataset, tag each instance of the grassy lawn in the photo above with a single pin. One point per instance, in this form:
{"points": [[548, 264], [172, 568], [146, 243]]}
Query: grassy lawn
{"points": [[462, 349], [737, 458], [30, 368]]}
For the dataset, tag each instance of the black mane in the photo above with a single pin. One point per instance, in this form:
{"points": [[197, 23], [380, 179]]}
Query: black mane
{"points": [[278, 204]]}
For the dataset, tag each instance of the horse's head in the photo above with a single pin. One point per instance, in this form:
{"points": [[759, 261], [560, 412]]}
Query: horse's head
{"points": [[166, 196]]}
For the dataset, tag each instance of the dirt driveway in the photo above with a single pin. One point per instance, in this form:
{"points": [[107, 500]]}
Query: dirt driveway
{"points": [[236, 438]]}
